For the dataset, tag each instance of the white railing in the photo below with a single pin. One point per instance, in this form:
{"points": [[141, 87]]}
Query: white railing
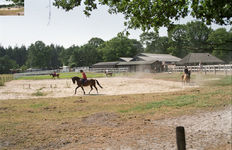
{"points": [[211, 69], [113, 70], [47, 72], [35, 73]]}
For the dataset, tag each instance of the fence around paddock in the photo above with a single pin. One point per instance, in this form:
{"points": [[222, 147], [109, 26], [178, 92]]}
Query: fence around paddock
{"points": [[93, 71], [206, 69]]}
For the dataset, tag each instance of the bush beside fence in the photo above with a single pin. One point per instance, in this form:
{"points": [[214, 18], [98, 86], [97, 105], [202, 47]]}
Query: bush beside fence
{"points": [[6, 77]]}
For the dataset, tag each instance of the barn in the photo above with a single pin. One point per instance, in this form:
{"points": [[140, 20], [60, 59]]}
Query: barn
{"points": [[147, 62], [112, 64], [193, 59], [142, 62]]}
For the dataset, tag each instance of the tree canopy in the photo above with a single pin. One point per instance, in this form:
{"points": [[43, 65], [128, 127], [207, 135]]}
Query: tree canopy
{"points": [[147, 14], [17, 2]]}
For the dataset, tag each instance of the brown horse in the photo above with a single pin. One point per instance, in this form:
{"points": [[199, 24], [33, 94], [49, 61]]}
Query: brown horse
{"points": [[54, 75], [90, 82], [185, 78], [109, 73]]}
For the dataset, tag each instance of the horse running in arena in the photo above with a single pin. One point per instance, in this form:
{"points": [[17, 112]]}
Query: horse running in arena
{"points": [[54, 75], [185, 78], [108, 74], [89, 82]]}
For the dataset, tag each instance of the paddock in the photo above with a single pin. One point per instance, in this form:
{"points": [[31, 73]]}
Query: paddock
{"points": [[25, 89], [106, 129]]}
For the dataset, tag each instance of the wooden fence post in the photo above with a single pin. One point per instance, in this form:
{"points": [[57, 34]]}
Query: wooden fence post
{"points": [[214, 70], [225, 70], [180, 138], [230, 70]]}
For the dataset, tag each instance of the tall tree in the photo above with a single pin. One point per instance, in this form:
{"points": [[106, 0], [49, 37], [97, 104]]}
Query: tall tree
{"points": [[178, 41], [219, 39], [147, 14], [54, 61], [154, 43], [119, 47], [197, 35], [89, 54], [39, 55], [96, 41], [2, 51], [17, 2], [6, 64]]}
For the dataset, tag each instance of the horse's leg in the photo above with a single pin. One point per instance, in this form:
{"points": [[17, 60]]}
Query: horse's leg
{"points": [[182, 79], [83, 89], [91, 88], [76, 89], [95, 88]]}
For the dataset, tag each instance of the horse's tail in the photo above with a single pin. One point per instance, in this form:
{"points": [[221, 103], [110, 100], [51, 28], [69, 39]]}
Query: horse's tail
{"points": [[98, 84]]}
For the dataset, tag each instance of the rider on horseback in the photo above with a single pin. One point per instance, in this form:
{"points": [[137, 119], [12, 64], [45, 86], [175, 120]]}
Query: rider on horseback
{"points": [[84, 78], [186, 71]]}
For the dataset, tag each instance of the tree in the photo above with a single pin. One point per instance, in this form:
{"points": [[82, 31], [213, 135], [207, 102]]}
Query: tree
{"points": [[197, 35], [89, 54], [39, 55], [6, 64], [55, 62], [2, 51], [147, 14], [218, 39], [119, 47], [178, 41], [17, 2], [154, 43], [96, 41]]}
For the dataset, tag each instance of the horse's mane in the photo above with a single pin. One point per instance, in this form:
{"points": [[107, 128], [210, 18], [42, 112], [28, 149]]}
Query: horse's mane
{"points": [[75, 78]]}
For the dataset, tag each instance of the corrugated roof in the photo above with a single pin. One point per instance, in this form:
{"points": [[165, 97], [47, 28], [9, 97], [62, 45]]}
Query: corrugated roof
{"points": [[199, 57], [159, 57], [136, 63], [106, 63], [125, 58]]}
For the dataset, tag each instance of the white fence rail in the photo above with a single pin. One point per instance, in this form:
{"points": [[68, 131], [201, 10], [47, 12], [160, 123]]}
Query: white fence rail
{"points": [[47, 72], [35, 73], [206, 69], [113, 70]]}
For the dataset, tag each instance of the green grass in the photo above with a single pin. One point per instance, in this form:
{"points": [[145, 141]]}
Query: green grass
{"points": [[224, 81], [38, 93], [177, 102], [38, 105], [62, 76], [1, 83]]}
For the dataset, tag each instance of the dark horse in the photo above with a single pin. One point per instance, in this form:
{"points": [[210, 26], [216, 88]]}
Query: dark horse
{"points": [[54, 75], [90, 82]]}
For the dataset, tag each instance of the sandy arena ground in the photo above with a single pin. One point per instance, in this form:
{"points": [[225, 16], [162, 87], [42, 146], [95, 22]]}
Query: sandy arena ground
{"points": [[204, 130], [23, 89]]}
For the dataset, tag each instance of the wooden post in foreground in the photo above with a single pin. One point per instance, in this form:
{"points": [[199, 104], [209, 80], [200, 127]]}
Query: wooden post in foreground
{"points": [[180, 138]]}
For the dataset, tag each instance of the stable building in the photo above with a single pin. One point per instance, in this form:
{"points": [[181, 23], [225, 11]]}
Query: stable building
{"points": [[147, 62], [106, 64], [193, 59]]}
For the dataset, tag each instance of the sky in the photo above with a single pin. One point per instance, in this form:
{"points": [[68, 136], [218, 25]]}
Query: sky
{"points": [[65, 28]]}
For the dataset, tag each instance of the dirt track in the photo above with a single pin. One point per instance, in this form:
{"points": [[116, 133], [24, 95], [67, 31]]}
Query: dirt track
{"points": [[23, 89]]}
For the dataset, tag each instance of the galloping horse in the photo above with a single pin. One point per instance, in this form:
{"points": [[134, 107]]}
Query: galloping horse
{"points": [[109, 73], [185, 78], [90, 82], [54, 75]]}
